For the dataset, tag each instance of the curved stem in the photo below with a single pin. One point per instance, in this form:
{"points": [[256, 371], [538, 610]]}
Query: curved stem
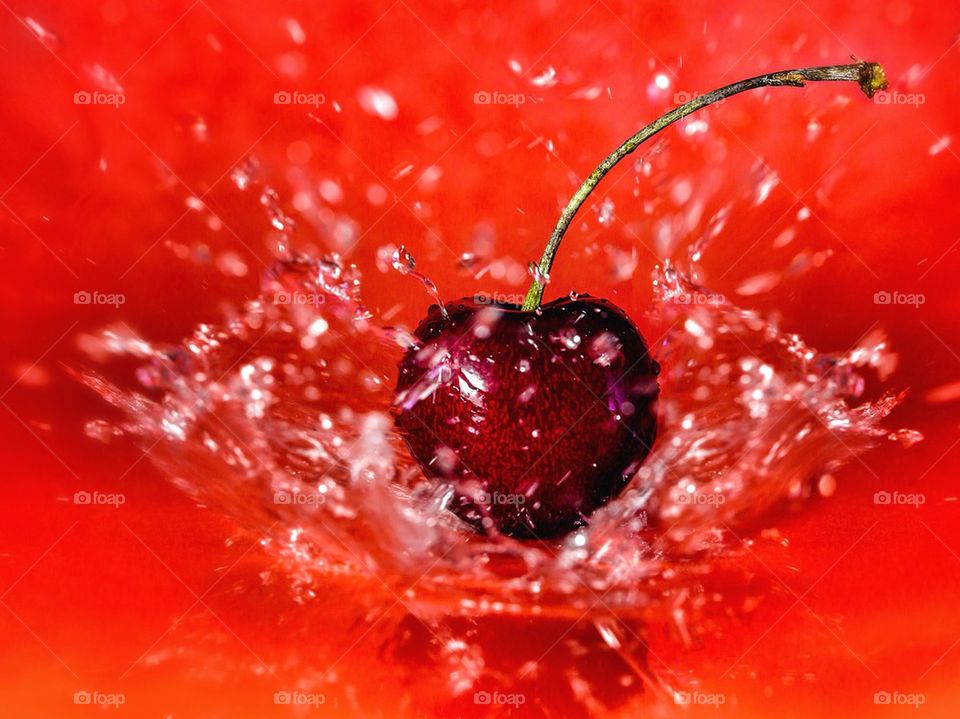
{"points": [[868, 75]]}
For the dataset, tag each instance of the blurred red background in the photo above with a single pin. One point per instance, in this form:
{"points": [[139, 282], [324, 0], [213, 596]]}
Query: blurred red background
{"points": [[160, 600]]}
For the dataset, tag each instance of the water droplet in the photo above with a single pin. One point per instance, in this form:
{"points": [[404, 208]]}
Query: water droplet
{"points": [[537, 275], [295, 30], [548, 78], [606, 212], [568, 337], [940, 145], [378, 102], [405, 264], [243, 174], [605, 349], [765, 186], [527, 394], [403, 261], [759, 284], [101, 430], [403, 171], [50, 39]]}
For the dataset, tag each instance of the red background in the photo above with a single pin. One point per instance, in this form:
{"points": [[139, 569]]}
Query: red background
{"points": [[86, 592]]}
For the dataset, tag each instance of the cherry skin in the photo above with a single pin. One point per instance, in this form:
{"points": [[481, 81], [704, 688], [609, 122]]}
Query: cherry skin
{"points": [[535, 419]]}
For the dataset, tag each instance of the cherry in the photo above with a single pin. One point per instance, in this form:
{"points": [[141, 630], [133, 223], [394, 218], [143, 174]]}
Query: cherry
{"points": [[536, 416]]}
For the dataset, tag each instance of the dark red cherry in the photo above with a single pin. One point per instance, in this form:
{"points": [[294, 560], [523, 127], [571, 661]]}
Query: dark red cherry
{"points": [[534, 419]]}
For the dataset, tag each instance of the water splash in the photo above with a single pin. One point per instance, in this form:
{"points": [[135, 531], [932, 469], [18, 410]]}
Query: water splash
{"points": [[405, 264], [279, 416]]}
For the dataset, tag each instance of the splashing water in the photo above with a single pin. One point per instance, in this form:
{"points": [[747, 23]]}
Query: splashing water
{"points": [[404, 263], [280, 417]]}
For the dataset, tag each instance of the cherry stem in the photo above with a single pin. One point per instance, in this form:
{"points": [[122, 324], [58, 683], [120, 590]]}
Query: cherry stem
{"points": [[869, 75]]}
